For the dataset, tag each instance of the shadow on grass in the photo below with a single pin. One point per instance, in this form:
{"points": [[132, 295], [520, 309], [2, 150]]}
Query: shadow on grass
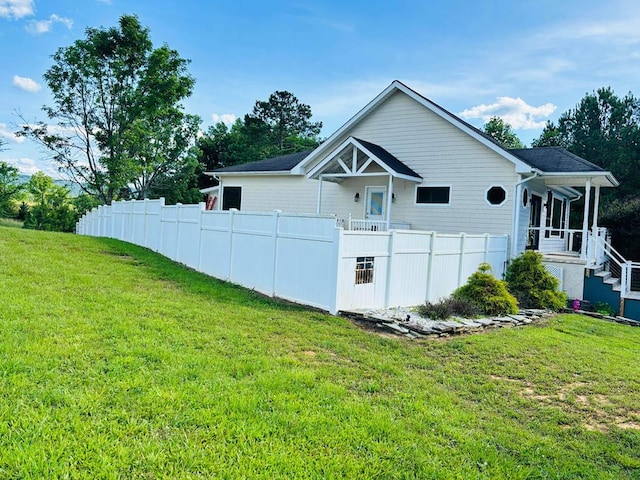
{"points": [[191, 281]]}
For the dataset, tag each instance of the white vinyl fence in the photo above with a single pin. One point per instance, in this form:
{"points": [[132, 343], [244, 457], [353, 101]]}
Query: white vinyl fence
{"points": [[303, 258]]}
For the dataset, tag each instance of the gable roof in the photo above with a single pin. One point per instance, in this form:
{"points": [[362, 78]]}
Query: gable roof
{"points": [[282, 163], [388, 159], [397, 86]]}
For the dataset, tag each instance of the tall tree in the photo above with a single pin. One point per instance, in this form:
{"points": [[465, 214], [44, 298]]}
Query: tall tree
{"points": [[9, 187], [287, 118], [604, 129], [53, 209], [501, 131], [116, 106]]}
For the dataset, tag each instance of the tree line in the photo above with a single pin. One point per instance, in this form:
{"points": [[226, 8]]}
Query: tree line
{"points": [[604, 129]]}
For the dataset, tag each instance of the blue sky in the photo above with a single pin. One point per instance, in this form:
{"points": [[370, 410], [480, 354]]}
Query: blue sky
{"points": [[526, 61]]}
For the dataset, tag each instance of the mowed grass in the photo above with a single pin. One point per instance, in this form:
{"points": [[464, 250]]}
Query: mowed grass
{"points": [[117, 363]]}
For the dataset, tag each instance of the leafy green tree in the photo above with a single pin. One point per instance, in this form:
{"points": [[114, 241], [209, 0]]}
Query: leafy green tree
{"points": [[288, 120], [116, 109], [550, 137], [275, 127], [604, 129], [53, 209], [9, 187], [622, 218], [501, 131]]}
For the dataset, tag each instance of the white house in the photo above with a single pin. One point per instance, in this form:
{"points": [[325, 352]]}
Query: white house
{"points": [[405, 162], [398, 206]]}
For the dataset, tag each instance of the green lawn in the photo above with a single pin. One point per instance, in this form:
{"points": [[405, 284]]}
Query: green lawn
{"points": [[116, 363]]}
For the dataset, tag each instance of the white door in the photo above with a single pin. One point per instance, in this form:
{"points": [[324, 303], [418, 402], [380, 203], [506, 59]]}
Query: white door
{"points": [[375, 205]]}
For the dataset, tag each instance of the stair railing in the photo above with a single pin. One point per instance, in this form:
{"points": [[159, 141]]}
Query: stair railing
{"points": [[619, 266]]}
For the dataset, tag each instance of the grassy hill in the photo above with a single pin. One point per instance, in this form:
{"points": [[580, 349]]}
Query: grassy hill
{"points": [[117, 363]]}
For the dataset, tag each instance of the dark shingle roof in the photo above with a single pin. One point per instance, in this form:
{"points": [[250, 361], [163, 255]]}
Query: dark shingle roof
{"points": [[554, 160], [392, 162], [275, 164]]}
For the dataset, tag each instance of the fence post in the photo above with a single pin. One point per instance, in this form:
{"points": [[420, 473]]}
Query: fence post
{"points": [[485, 256], [463, 241], [387, 298], [231, 222], [276, 222], [432, 244]]}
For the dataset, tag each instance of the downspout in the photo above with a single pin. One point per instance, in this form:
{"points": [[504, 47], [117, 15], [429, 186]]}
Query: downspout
{"points": [[219, 206], [516, 213]]}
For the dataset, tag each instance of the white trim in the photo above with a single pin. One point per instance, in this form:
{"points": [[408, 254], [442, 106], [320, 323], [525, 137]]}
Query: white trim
{"points": [[354, 172], [613, 182], [427, 185], [252, 174], [496, 205]]}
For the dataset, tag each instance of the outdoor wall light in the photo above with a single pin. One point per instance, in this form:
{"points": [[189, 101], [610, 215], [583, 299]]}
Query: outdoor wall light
{"points": [[393, 198], [356, 197]]}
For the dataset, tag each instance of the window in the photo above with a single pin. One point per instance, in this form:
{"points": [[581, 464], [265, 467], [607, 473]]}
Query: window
{"points": [[496, 195], [231, 197], [438, 195], [364, 270]]}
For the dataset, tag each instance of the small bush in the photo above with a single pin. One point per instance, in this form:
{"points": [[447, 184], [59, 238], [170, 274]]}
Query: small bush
{"points": [[532, 284], [488, 293], [604, 308], [439, 310], [448, 307]]}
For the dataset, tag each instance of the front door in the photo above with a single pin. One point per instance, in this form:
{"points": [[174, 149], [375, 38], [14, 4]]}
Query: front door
{"points": [[375, 205], [533, 242]]}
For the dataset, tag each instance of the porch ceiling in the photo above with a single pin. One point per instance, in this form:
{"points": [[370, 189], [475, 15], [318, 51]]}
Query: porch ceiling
{"points": [[604, 179], [359, 158]]}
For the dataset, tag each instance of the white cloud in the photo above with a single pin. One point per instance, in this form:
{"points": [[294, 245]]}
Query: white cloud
{"points": [[44, 26], [25, 83], [226, 118], [16, 8], [29, 166], [108, 2], [9, 135], [514, 111]]}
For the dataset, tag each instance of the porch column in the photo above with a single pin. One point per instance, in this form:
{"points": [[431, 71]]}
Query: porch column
{"points": [[596, 204], [585, 220], [319, 194], [389, 198]]}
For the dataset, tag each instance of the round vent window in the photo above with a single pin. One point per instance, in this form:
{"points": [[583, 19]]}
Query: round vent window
{"points": [[496, 195]]}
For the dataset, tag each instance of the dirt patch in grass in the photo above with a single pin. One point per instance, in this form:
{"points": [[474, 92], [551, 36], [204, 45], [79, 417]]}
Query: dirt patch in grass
{"points": [[599, 412]]}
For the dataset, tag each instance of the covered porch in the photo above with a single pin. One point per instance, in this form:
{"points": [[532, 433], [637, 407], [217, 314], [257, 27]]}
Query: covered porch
{"points": [[366, 172], [558, 179]]}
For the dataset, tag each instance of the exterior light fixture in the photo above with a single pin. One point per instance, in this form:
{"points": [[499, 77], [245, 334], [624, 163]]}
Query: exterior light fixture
{"points": [[393, 198], [356, 197]]}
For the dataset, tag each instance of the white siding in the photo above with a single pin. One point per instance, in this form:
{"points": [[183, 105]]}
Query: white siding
{"points": [[431, 146], [443, 155], [265, 193]]}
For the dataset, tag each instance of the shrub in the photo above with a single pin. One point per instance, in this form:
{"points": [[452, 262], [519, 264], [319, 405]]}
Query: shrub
{"points": [[532, 284], [604, 308], [448, 307], [488, 293]]}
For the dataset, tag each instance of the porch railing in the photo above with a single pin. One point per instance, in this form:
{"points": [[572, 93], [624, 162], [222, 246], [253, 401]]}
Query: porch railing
{"points": [[572, 238], [369, 225]]}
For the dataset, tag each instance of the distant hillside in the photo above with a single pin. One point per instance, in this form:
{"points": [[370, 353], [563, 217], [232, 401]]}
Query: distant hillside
{"points": [[75, 189]]}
